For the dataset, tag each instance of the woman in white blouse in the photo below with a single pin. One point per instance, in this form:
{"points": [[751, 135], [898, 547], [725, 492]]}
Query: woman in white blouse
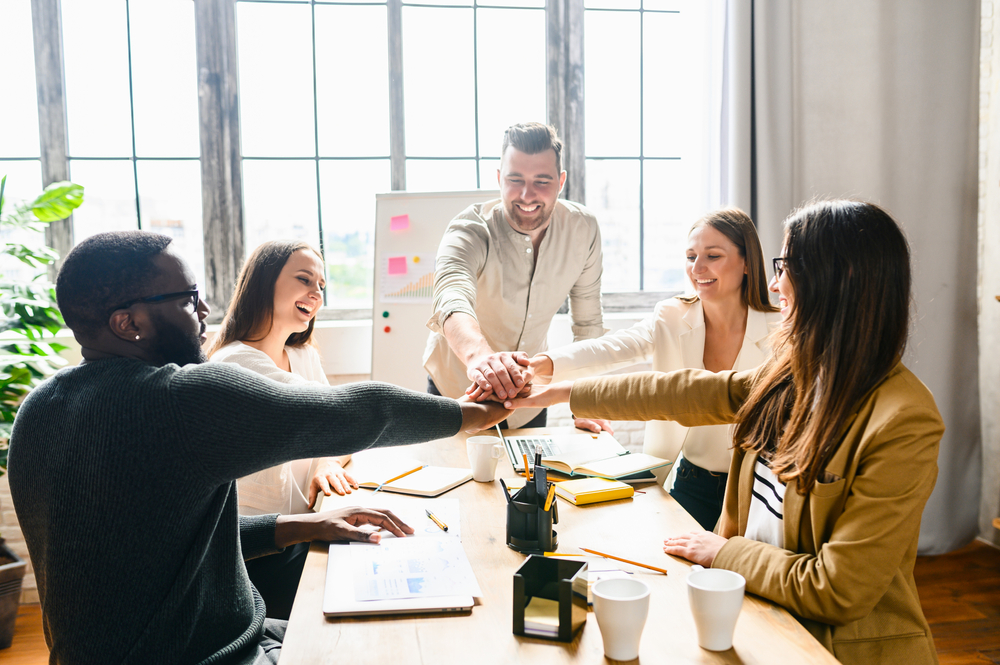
{"points": [[267, 329], [723, 325]]}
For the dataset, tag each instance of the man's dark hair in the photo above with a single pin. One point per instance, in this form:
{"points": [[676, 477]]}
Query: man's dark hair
{"points": [[532, 138], [104, 271]]}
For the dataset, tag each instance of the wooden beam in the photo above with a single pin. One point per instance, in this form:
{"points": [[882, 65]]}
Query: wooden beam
{"points": [[221, 166], [46, 27], [397, 121], [564, 86]]}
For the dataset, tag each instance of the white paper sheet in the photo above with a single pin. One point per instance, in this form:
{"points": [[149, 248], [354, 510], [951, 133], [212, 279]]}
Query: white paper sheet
{"points": [[412, 568]]}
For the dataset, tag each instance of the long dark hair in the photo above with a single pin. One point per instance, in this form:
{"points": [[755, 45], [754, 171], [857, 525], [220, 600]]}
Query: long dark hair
{"points": [[739, 228], [849, 266], [251, 311]]}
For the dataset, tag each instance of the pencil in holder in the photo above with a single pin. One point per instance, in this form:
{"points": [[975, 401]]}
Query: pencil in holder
{"points": [[529, 525]]}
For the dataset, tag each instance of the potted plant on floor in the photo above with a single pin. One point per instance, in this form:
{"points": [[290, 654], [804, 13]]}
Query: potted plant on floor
{"points": [[28, 316]]}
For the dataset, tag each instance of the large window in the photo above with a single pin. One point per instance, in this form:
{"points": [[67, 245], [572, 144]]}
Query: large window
{"points": [[336, 101]]}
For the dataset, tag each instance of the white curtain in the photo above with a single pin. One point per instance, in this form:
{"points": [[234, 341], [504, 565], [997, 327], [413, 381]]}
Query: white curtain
{"points": [[878, 100]]}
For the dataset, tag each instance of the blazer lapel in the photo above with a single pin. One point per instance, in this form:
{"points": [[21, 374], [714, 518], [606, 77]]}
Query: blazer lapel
{"points": [[692, 341]]}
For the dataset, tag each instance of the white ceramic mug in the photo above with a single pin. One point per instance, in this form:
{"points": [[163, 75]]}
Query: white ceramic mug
{"points": [[484, 451], [621, 606], [716, 597]]}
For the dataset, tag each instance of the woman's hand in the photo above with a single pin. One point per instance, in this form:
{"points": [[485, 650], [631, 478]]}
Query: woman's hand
{"points": [[540, 369], [534, 396], [593, 425], [339, 524], [330, 477], [699, 547]]}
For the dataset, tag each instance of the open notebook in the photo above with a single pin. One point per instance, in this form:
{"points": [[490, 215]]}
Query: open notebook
{"points": [[429, 481], [583, 454]]}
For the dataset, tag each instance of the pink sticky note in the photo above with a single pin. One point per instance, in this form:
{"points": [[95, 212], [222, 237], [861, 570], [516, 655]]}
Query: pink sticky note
{"points": [[399, 223], [397, 265]]}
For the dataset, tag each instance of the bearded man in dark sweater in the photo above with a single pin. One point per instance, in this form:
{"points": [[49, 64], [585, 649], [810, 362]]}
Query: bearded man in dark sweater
{"points": [[122, 470]]}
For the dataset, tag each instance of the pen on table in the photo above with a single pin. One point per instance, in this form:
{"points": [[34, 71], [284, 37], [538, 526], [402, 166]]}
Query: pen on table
{"points": [[618, 558], [444, 527], [548, 497], [398, 477]]}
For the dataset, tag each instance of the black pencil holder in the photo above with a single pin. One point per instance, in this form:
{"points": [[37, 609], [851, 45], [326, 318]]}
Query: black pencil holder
{"points": [[529, 526], [560, 580]]}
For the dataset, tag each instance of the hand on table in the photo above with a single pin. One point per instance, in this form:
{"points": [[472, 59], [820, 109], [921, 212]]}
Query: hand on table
{"points": [[699, 547], [593, 425], [330, 477], [339, 524], [503, 373]]}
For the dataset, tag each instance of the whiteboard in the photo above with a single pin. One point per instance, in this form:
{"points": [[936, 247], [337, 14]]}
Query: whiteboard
{"points": [[404, 277]]}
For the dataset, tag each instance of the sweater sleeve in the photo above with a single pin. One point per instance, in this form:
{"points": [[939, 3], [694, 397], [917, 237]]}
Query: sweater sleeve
{"points": [[257, 535], [692, 397], [237, 422]]}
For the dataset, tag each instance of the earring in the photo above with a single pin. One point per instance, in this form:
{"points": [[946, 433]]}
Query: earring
{"points": [[137, 338]]}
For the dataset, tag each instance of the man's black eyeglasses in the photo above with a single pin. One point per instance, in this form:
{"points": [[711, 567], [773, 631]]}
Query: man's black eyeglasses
{"points": [[779, 266], [193, 295]]}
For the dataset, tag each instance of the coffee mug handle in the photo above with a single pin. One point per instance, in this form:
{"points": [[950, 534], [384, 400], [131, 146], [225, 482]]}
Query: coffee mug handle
{"points": [[497, 451], [696, 568]]}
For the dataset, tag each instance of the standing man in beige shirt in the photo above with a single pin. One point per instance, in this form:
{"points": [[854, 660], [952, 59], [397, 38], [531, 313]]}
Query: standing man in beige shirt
{"points": [[505, 267]]}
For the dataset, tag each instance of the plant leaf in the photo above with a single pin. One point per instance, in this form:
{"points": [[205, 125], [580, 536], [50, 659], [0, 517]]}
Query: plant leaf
{"points": [[57, 201]]}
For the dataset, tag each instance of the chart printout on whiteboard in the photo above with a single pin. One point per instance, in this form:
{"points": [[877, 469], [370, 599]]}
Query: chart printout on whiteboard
{"points": [[414, 287]]}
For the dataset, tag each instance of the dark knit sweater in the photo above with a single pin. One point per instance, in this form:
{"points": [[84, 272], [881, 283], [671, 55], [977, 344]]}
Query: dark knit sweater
{"points": [[122, 477]]}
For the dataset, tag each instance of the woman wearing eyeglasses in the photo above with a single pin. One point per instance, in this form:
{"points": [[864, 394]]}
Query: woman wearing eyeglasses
{"points": [[267, 329], [836, 440], [723, 326]]}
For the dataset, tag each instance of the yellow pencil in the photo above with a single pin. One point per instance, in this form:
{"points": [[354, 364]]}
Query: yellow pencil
{"points": [[548, 498], [618, 558], [561, 554], [391, 480], [527, 471]]}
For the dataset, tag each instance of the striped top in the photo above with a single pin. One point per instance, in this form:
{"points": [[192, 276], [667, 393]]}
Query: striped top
{"points": [[765, 522]]}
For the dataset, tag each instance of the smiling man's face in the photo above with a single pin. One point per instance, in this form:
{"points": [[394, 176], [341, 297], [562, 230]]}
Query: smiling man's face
{"points": [[529, 187]]}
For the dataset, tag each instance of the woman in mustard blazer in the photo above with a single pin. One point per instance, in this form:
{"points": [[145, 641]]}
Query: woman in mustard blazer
{"points": [[835, 440]]}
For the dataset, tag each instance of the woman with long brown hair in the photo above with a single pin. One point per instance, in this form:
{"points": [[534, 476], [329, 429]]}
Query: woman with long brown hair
{"points": [[267, 329], [721, 324], [836, 440]]}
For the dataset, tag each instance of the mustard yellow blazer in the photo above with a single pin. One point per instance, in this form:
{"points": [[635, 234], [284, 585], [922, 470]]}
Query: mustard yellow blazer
{"points": [[846, 571]]}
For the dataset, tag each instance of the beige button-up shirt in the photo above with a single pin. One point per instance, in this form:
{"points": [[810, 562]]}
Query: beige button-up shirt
{"points": [[488, 270]]}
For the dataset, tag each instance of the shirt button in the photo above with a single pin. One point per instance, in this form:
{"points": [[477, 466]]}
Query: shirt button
{"points": [[528, 250]]}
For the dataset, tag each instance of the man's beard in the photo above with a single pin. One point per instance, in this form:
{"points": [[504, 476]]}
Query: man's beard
{"points": [[528, 225], [174, 345]]}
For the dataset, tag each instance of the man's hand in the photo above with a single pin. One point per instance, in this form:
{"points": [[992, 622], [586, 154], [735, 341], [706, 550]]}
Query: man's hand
{"points": [[330, 477], [699, 547], [339, 524], [479, 416], [595, 425], [502, 373]]}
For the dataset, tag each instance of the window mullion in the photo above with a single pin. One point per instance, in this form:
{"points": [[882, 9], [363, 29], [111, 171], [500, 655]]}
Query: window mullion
{"points": [[397, 135]]}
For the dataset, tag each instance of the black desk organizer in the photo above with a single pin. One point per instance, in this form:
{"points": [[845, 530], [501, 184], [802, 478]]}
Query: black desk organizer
{"points": [[529, 525], [561, 580]]}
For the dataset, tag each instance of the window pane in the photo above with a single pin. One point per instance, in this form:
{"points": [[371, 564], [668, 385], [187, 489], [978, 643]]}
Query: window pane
{"points": [[488, 173], [612, 63], [348, 191], [19, 113], [279, 201], [612, 4], [674, 5], [24, 183], [438, 82], [95, 52], [672, 129], [276, 80], [449, 3], [666, 226], [170, 203], [440, 175], [352, 81], [613, 195], [109, 197], [511, 80], [515, 3], [165, 79]]}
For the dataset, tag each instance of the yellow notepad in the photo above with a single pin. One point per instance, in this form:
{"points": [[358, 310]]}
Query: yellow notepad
{"points": [[593, 490]]}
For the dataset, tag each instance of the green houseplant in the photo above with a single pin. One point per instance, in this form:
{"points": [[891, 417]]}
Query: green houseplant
{"points": [[28, 316]]}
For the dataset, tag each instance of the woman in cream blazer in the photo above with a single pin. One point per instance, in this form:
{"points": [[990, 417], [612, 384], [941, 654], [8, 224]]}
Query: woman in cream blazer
{"points": [[846, 435], [674, 337]]}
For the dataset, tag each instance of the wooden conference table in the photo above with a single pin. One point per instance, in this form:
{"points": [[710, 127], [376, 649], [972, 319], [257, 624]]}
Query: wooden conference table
{"points": [[633, 528]]}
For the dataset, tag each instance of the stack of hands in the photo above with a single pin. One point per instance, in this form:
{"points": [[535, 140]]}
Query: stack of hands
{"points": [[513, 379]]}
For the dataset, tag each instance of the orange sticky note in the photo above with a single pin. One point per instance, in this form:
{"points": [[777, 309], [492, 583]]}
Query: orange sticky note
{"points": [[399, 223], [397, 265]]}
